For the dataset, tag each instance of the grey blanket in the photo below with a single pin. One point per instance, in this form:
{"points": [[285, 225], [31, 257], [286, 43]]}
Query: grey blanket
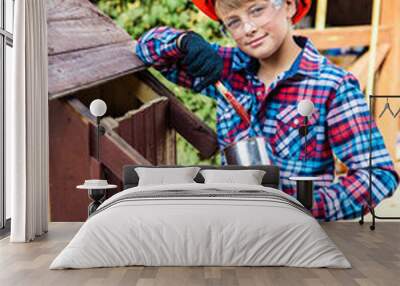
{"points": [[206, 194]]}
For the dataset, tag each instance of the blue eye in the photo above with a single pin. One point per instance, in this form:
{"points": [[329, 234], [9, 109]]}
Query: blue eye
{"points": [[233, 24], [257, 11]]}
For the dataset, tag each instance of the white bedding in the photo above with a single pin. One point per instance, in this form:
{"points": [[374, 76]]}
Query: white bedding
{"points": [[188, 230]]}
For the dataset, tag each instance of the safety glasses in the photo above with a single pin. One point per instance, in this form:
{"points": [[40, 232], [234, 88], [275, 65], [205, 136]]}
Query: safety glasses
{"points": [[258, 14]]}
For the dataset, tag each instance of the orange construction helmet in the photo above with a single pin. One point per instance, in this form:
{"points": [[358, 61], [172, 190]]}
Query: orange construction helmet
{"points": [[208, 8]]}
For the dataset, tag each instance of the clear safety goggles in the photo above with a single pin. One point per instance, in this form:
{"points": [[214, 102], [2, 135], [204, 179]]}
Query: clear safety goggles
{"points": [[259, 14]]}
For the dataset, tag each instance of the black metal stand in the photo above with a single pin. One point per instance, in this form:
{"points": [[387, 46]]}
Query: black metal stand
{"points": [[97, 196], [369, 201], [305, 193], [303, 133], [305, 187], [100, 130]]}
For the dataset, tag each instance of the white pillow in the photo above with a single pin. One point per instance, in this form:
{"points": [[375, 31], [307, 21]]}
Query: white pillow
{"points": [[162, 176], [249, 177]]}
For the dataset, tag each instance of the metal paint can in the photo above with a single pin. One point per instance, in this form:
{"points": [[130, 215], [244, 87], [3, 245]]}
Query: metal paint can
{"points": [[247, 152]]}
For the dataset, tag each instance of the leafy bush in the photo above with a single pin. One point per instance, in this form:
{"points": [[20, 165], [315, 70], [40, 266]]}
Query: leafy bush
{"points": [[136, 17]]}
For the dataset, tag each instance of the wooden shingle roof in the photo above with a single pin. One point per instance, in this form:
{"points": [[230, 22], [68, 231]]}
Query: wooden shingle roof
{"points": [[85, 47]]}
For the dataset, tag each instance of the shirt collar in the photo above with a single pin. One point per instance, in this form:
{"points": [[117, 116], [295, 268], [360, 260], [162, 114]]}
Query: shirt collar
{"points": [[309, 64]]}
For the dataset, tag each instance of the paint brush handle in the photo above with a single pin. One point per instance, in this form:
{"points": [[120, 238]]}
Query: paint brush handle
{"points": [[233, 102]]}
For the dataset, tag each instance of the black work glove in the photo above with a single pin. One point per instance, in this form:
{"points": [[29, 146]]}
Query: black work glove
{"points": [[201, 59]]}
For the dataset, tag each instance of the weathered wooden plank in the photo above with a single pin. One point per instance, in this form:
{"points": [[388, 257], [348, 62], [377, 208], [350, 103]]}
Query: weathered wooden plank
{"points": [[145, 129], [86, 48], [149, 126], [69, 163], [161, 131], [115, 152], [78, 70], [124, 129], [344, 37], [59, 10], [170, 147], [80, 34], [196, 132], [138, 132]]}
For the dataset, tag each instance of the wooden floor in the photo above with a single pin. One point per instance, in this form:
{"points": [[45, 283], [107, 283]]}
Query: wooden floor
{"points": [[375, 257]]}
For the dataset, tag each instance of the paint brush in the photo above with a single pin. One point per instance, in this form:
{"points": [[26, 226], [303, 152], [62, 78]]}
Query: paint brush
{"points": [[233, 102]]}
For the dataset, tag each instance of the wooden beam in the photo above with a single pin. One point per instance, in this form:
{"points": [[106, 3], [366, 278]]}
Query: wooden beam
{"points": [[196, 132], [373, 46], [115, 152], [345, 37], [140, 89], [85, 48], [388, 82], [320, 20], [360, 67], [84, 69]]}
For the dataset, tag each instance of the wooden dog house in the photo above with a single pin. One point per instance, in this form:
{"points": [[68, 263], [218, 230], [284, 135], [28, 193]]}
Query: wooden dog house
{"points": [[90, 57]]}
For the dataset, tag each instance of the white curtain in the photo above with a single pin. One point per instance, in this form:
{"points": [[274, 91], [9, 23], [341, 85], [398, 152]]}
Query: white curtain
{"points": [[27, 124]]}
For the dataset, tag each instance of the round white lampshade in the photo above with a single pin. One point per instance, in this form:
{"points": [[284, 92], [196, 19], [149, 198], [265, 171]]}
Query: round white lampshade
{"points": [[98, 107], [305, 107]]}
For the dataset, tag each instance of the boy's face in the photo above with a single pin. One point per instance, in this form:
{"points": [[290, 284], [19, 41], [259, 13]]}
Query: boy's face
{"points": [[259, 27]]}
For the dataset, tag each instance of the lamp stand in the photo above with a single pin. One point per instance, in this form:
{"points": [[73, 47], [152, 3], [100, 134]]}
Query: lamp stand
{"points": [[100, 130], [303, 132], [98, 138]]}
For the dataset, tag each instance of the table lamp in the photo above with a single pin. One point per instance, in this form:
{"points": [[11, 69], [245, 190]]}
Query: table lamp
{"points": [[304, 185], [305, 108], [98, 108]]}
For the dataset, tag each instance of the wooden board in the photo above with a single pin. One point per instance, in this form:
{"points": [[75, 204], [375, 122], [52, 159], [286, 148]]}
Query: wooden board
{"points": [[69, 163], [85, 47], [59, 10], [115, 152], [388, 82], [70, 72], [344, 37], [146, 129], [196, 132], [70, 34]]}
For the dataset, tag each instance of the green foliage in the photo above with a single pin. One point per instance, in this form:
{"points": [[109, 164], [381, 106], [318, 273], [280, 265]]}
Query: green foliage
{"points": [[138, 16]]}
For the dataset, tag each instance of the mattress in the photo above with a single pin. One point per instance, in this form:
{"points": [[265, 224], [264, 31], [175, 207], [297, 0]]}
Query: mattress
{"points": [[201, 225]]}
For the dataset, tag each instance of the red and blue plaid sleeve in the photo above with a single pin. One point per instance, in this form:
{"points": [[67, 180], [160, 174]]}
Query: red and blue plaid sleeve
{"points": [[158, 48], [348, 133]]}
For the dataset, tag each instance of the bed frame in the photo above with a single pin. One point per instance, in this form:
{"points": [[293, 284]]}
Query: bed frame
{"points": [[270, 179]]}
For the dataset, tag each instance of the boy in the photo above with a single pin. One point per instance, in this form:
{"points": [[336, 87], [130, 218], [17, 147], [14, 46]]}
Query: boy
{"points": [[269, 72]]}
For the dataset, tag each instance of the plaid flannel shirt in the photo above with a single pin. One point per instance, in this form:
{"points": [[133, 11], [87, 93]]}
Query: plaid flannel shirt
{"points": [[338, 126]]}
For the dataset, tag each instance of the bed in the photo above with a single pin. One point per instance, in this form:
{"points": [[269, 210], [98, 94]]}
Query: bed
{"points": [[201, 224]]}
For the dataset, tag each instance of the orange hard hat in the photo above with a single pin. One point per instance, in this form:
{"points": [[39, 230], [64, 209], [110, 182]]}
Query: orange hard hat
{"points": [[207, 6]]}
